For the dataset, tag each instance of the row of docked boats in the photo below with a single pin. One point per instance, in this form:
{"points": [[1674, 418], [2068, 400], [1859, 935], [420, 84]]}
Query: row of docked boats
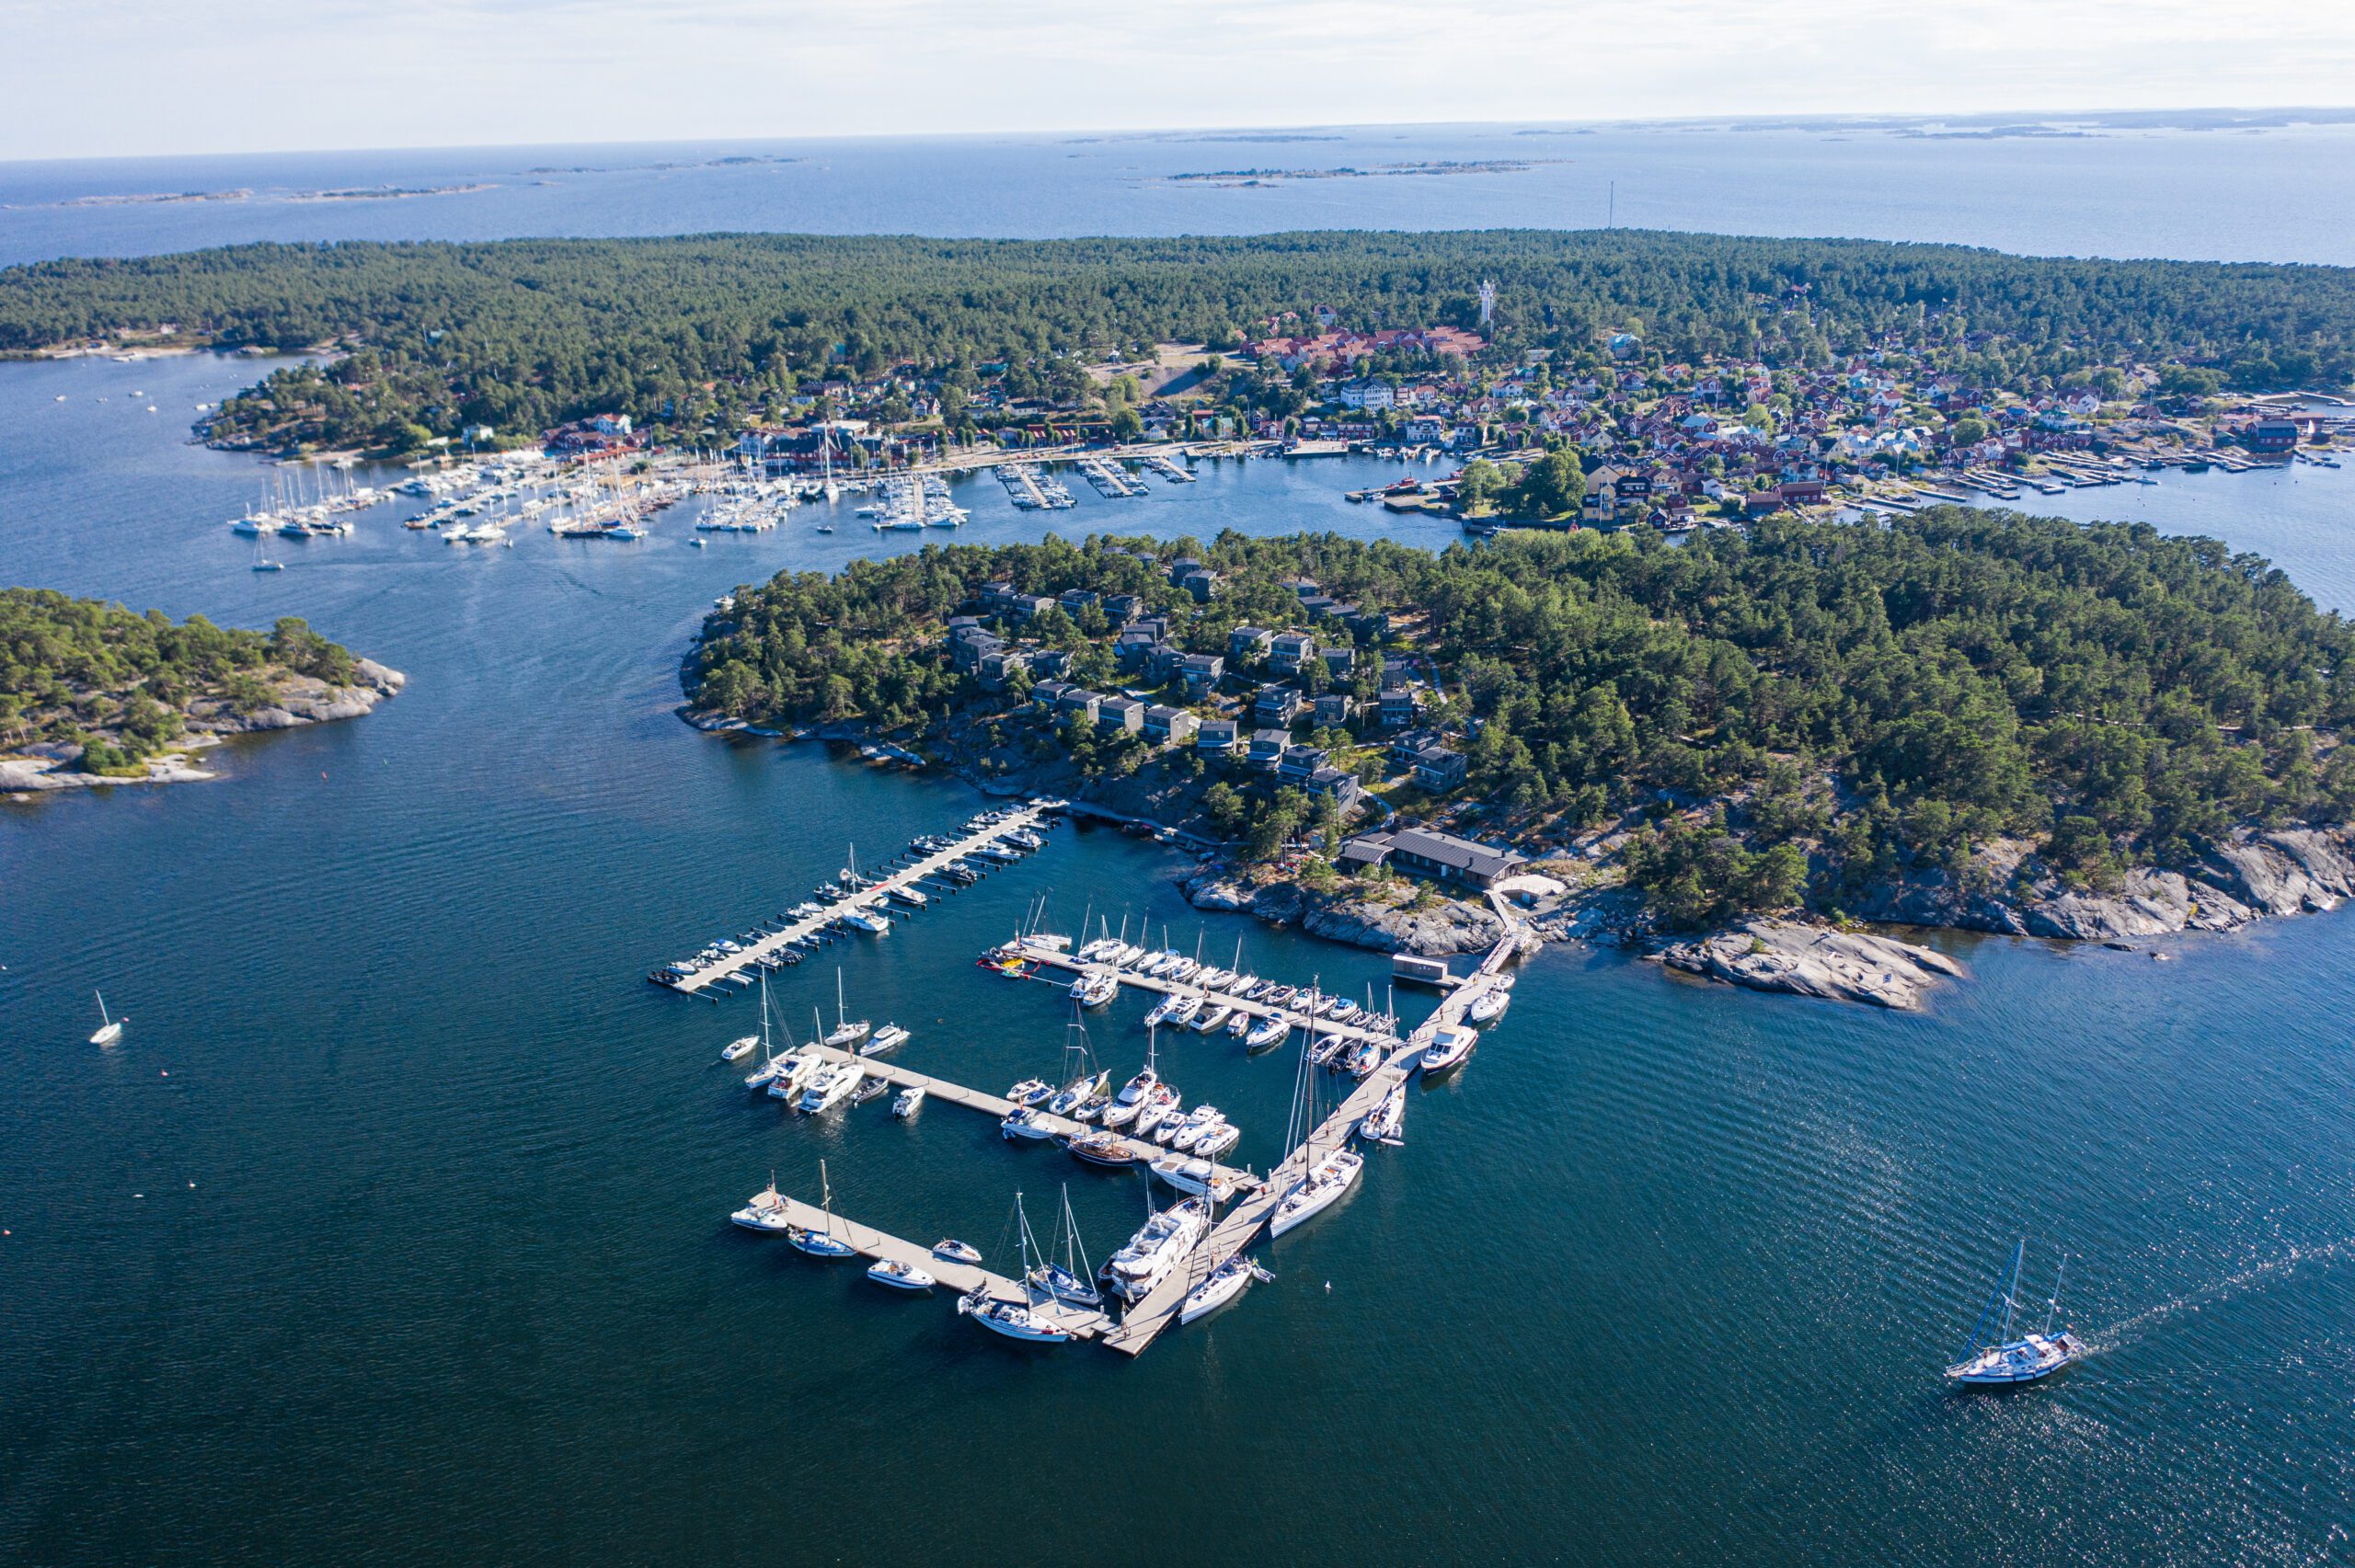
{"points": [[856, 903]]}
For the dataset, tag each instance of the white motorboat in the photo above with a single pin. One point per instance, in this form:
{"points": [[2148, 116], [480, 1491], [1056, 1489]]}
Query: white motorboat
{"points": [[1217, 1140], [907, 1102], [956, 1251], [1076, 1095], [1225, 1283], [1994, 1358], [1097, 989], [1317, 1191], [1489, 1006], [1239, 1022], [1214, 979], [831, 1086], [1446, 1052], [1195, 1175], [766, 1212], [910, 896], [890, 1038], [1188, 1005], [109, 1029], [1199, 1122], [1159, 1012], [1244, 985], [869, 920], [1214, 1016], [1031, 1091], [1380, 1124], [1158, 1107], [900, 1276], [739, 1048], [1267, 1031], [1129, 957], [1160, 1245], [1027, 1121]]}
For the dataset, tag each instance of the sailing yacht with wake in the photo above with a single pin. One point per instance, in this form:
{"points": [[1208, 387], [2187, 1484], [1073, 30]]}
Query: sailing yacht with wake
{"points": [[1994, 1358]]}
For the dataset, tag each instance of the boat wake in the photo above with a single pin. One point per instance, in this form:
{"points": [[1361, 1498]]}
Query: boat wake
{"points": [[2257, 1277]]}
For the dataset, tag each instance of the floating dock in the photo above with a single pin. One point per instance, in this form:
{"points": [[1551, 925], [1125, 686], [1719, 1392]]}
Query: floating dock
{"points": [[963, 1278], [999, 1107], [871, 896], [1056, 958], [1145, 1322]]}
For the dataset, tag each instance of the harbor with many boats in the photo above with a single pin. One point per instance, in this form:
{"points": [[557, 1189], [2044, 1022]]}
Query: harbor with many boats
{"points": [[1190, 1257]]}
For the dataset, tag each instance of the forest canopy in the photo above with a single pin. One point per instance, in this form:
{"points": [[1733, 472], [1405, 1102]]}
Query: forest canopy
{"points": [[1862, 699], [119, 684], [521, 334]]}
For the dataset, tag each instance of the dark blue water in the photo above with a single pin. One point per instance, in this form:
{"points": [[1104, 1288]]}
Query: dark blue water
{"points": [[395, 1232], [2272, 195]]}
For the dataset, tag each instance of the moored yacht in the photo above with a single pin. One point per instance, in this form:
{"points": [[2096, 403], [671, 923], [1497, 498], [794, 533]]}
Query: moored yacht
{"points": [[1446, 1052], [890, 1038], [1027, 1121], [1160, 1245], [823, 1243], [1382, 1123], [109, 1029], [1223, 1285], [908, 1101], [1267, 1033], [765, 1212], [1317, 1191], [900, 1276], [1489, 1006], [1195, 1175], [831, 1086], [1031, 1090], [1105, 1149]]}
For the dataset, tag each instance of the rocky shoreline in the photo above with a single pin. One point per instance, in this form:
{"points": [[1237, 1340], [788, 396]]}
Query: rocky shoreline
{"points": [[297, 700], [2251, 875]]}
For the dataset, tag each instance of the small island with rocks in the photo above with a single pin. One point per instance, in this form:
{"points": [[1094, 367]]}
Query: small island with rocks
{"points": [[1736, 753], [93, 693]]}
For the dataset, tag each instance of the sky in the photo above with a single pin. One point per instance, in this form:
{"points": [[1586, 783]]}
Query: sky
{"points": [[128, 77]]}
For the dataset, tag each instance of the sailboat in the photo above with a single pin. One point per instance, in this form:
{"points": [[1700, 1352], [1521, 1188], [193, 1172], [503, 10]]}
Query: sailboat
{"points": [[1140, 1091], [822, 1243], [1062, 1280], [1993, 1357], [1327, 1175], [262, 562], [109, 1029], [1223, 1285], [1014, 1319], [847, 1031]]}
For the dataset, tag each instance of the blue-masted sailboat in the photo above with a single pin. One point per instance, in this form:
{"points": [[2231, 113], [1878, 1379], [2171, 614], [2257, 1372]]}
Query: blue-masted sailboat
{"points": [[1995, 1358]]}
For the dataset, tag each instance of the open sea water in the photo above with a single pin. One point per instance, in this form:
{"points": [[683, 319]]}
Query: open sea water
{"points": [[395, 1231]]}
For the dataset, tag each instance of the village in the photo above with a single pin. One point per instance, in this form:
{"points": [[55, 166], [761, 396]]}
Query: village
{"points": [[1673, 443]]}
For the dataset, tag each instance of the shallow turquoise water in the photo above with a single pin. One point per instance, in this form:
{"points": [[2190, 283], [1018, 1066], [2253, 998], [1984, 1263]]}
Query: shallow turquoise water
{"points": [[1665, 1275]]}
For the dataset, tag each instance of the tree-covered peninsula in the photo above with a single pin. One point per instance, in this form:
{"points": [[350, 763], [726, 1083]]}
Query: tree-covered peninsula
{"points": [[92, 691], [693, 335], [1950, 715]]}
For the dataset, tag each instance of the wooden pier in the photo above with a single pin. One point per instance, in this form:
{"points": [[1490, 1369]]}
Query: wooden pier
{"points": [[867, 898], [999, 1107], [963, 1278], [1145, 1322], [1056, 958]]}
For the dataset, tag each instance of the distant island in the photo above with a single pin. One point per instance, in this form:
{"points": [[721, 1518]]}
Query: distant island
{"points": [[91, 692], [1283, 176], [1962, 719]]}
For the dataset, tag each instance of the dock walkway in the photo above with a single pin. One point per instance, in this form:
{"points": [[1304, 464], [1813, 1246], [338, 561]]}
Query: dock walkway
{"points": [[1056, 958], [867, 898], [960, 1277], [999, 1107], [1145, 1322]]}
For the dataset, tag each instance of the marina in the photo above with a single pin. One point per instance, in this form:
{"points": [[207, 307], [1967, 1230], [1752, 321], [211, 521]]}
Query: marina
{"points": [[863, 907]]}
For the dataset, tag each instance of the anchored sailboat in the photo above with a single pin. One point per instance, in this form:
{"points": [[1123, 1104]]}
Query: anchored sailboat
{"points": [[109, 1029]]}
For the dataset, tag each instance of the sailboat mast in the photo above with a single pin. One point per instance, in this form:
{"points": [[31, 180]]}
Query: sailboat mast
{"points": [[2053, 1303], [2011, 1290]]}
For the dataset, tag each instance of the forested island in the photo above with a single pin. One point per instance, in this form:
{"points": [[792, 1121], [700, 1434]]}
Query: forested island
{"points": [[92, 692], [693, 337], [1958, 718]]}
